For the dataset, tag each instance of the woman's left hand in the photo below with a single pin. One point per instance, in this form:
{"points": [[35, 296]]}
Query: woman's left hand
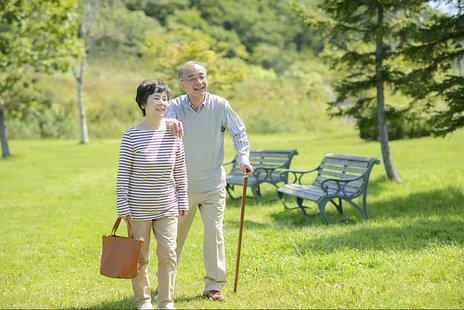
{"points": [[183, 212]]}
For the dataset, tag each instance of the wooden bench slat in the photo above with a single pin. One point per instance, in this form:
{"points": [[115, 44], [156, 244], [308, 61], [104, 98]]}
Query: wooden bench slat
{"points": [[343, 168], [350, 157], [346, 163], [278, 156], [337, 175]]}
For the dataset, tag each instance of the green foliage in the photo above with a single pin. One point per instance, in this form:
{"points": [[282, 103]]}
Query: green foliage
{"points": [[434, 46], [265, 101], [351, 30], [34, 37], [158, 9], [114, 29], [401, 124], [60, 199]]}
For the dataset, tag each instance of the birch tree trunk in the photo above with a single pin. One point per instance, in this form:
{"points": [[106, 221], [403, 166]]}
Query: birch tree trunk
{"points": [[79, 72], [3, 140], [382, 125], [80, 101]]}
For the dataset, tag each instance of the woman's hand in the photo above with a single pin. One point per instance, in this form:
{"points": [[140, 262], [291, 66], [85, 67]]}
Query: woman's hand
{"points": [[183, 212]]}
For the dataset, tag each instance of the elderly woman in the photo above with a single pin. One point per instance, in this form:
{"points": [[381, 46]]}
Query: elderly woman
{"points": [[151, 190]]}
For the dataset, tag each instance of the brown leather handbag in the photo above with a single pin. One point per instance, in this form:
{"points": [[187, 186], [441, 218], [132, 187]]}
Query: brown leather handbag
{"points": [[120, 255]]}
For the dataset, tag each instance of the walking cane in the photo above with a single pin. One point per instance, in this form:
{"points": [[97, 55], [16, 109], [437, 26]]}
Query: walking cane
{"points": [[242, 216]]}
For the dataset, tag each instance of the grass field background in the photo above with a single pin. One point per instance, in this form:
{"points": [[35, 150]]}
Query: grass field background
{"points": [[57, 198]]}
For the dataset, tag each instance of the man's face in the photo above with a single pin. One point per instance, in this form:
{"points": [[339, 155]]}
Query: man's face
{"points": [[194, 81]]}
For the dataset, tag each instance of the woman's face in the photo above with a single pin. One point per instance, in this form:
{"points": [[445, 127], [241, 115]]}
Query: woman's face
{"points": [[157, 104]]}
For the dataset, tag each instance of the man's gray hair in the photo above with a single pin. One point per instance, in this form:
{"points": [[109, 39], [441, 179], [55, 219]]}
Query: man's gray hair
{"points": [[191, 62]]}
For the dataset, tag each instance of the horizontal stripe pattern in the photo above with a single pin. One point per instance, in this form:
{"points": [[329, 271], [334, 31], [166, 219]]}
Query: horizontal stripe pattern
{"points": [[152, 177]]}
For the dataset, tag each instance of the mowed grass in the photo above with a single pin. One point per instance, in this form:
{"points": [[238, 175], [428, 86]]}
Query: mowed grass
{"points": [[57, 199]]}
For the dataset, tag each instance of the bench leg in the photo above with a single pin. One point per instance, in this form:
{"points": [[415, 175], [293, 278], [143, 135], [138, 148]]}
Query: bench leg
{"points": [[256, 193], [229, 189], [299, 201], [338, 205], [282, 200], [321, 205], [362, 210]]}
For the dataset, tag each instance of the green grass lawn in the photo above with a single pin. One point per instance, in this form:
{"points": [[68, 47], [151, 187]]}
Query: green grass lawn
{"points": [[57, 199]]}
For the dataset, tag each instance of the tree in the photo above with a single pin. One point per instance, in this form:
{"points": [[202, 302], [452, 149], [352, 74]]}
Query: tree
{"points": [[78, 71], [358, 36], [167, 50], [35, 36], [434, 45]]}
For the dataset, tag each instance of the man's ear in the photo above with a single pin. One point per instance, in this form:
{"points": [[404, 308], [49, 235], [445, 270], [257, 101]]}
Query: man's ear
{"points": [[181, 84]]}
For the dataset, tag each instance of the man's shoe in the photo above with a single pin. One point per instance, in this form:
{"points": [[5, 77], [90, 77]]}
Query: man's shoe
{"points": [[214, 295]]}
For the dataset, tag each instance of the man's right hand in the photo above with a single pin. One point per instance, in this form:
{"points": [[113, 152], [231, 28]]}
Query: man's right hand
{"points": [[175, 127]]}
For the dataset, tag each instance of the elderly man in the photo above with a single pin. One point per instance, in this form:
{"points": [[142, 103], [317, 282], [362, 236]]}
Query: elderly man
{"points": [[205, 117]]}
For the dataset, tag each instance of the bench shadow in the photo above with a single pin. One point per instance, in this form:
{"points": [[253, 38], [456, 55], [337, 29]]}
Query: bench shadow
{"points": [[418, 204], [414, 222], [415, 236]]}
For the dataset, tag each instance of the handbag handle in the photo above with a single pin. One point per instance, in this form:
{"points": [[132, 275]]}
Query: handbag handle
{"points": [[116, 226]]}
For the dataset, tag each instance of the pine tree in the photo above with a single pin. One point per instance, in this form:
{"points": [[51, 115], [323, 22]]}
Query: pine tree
{"points": [[360, 40], [436, 46]]}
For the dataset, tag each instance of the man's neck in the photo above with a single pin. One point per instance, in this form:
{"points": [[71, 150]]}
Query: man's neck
{"points": [[196, 101]]}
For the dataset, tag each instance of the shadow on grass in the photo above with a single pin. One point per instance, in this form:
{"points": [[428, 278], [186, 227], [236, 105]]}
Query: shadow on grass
{"points": [[415, 236], [444, 202], [247, 224], [129, 302], [412, 222], [126, 303]]}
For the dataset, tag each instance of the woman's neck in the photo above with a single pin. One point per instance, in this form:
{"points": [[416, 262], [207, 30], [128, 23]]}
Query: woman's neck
{"points": [[151, 124]]}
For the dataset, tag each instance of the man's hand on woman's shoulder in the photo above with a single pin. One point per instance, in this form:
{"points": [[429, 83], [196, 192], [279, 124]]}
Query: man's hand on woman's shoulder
{"points": [[175, 127]]}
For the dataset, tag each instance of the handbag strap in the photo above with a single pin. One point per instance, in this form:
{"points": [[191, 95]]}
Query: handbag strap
{"points": [[116, 226]]}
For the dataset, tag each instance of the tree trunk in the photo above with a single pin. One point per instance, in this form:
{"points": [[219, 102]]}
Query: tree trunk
{"points": [[3, 139], [382, 125], [79, 72], [81, 103]]}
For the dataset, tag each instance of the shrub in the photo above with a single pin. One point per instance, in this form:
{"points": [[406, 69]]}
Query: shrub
{"points": [[401, 124]]}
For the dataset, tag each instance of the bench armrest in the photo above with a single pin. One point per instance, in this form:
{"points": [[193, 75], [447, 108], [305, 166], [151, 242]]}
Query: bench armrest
{"points": [[341, 185], [230, 162], [296, 174], [264, 174]]}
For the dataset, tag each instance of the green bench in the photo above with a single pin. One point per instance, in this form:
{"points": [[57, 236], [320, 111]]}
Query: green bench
{"points": [[339, 177], [267, 165]]}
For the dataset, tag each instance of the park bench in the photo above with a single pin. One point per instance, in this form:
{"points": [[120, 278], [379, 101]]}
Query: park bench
{"points": [[339, 177], [267, 165]]}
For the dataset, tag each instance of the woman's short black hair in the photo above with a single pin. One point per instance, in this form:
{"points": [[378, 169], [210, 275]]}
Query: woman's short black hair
{"points": [[147, 88]]}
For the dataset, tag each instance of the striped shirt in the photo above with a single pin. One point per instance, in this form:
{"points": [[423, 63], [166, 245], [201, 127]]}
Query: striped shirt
{"points": [[204, 139], [152, 178]]}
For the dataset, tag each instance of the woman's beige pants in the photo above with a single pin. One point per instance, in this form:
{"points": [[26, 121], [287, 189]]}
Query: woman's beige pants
{"points": [[165, 231]]}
